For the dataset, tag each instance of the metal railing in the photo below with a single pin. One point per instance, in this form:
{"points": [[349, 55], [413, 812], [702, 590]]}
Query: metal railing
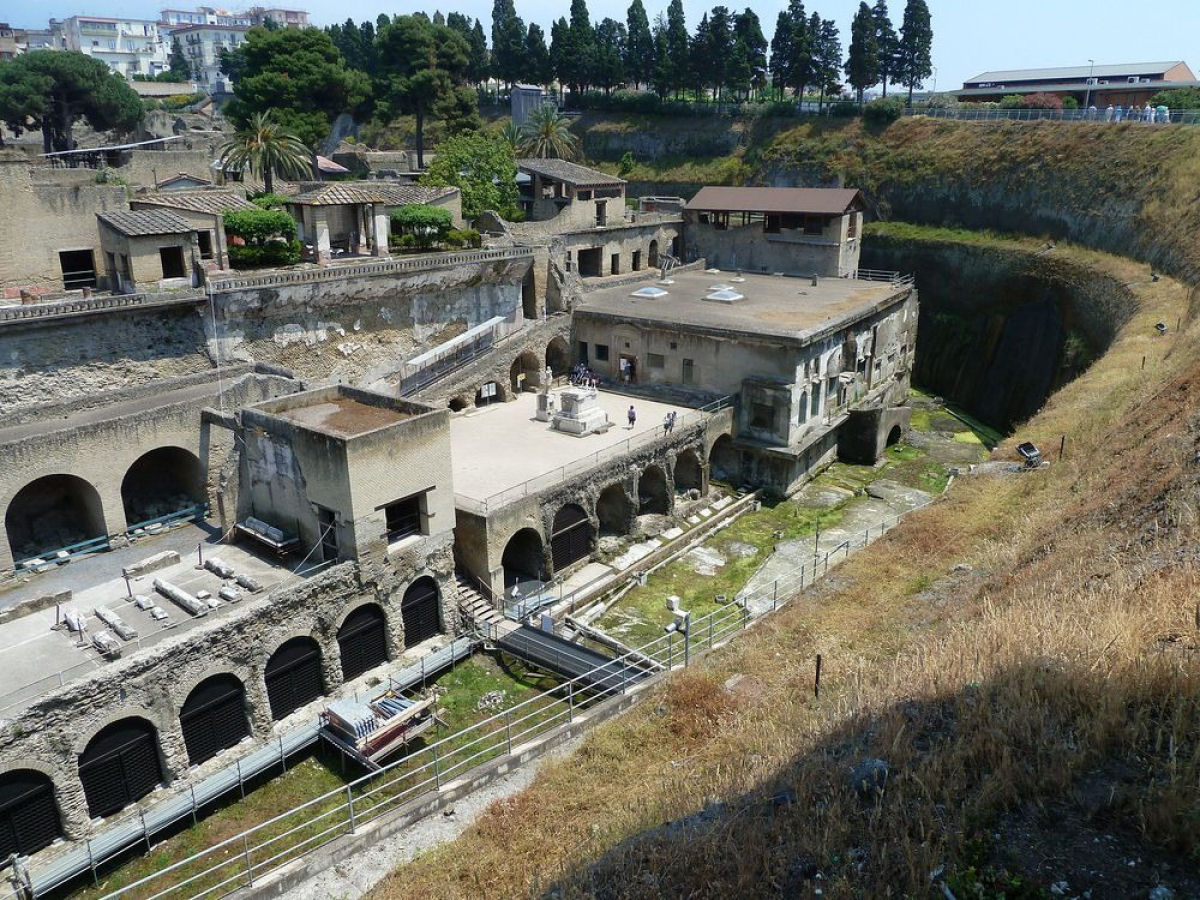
{"points": [[972, 114], [883, 275], [256, 852], [587, 463]]}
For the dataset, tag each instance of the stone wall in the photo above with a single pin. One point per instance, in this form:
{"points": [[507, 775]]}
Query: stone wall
{"points": [[832, 253]]}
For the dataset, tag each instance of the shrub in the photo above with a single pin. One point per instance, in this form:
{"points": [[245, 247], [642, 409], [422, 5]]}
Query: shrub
{"points": [[1070, 102], [1177, 98], [407, 242], [464, 237], [1042, 100], [261, 237], [1011, 101], [269, 201], [844, 109], [883, 111], [625, 166], [425, 224], [272, 253]]}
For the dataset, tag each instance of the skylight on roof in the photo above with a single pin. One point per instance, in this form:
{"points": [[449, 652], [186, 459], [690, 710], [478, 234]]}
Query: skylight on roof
{"points": [[720, 287], [649, 292], [725, 296]]}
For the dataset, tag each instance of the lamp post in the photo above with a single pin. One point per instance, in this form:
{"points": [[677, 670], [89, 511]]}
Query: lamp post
{"points": [[1087, 97]]}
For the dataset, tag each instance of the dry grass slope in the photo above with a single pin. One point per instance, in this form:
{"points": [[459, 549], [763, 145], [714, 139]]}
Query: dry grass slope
{"points": [[1024, 655]]}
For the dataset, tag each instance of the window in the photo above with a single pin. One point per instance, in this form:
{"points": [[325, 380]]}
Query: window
{"points": [[583, 352], [852, 230], [813, 225], [206, 249], [78, 269], [172, 262], [762, 415], [655, 360], [689, 371], [327, 533], [602, 353], [404, 517], [674, 345]]}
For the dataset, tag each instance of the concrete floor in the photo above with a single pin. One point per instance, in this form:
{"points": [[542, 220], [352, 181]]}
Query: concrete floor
{"points": [[530, 448]]}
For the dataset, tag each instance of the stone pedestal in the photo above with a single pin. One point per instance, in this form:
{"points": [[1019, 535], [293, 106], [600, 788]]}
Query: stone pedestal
{"points": [[579, 413], [546, 406]]}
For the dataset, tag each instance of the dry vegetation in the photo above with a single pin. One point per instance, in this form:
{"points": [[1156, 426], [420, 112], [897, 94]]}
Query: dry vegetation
{"points": [[1023, 654]]}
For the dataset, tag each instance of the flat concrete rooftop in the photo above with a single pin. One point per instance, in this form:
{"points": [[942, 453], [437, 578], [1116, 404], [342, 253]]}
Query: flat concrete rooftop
{"points": [[778, 306], [343, 416], [503, 445]]}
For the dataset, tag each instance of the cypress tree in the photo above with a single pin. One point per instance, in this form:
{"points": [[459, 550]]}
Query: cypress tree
{"points": [[862, 65], [639, 45], [916, 46], [885, 41]]}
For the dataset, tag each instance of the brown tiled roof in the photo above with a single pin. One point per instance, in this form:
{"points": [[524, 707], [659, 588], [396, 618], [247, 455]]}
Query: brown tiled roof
{"points": [[136, 223], [387, 193], [212, 202], [818, 201], [567, 172]]}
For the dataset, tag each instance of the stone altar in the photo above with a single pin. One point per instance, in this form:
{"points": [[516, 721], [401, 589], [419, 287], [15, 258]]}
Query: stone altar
{"points": [[579, 413]]}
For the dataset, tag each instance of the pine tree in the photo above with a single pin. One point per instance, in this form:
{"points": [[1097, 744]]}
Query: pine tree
{"points": [[661, 78], [508, 42], [886, 41], [608, 68], [639, 45], [560, 33], [678, 47], [720, 49], [537, 56], [581, 47], [862, 65], [747, 31], [916, 46], [827, 58], [781, 50], [177, 64], [698, 62]]}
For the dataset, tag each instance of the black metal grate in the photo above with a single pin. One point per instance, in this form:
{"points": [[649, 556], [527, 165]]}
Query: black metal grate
{"points": [[28, 815], [293, 676], [119, 766], [213, 717], [571, 539], [419, 610], [362, 640]]}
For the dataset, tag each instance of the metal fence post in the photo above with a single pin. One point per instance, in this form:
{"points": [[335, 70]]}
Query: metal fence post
{"points": [[192, 791], [570, 701], [246, 859], [508, 728], [687, 646], [241, 783], [437, 774], [775, 596], [92, 863], [350, 806], [145, 831], [710, 630], [670, 650]]}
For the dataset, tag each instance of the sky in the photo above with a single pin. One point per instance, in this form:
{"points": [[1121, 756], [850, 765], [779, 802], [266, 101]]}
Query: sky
{"points": [[970, 37]]}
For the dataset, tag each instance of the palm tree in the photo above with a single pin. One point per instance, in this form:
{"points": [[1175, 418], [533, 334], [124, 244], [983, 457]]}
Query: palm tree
{"points": [[513, 135], [547, 133], [265, 148]]}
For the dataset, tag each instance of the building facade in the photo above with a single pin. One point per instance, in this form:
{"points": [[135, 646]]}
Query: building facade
{"points": [[203, 45], [1094, 85], [127, 46]]}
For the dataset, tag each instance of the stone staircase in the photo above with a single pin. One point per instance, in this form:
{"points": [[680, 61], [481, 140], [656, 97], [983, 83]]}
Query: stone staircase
{"points": [[476, 607]]}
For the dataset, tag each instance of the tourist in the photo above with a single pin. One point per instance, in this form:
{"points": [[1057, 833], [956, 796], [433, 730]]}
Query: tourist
{"points": [[632, 417], [667, 424], [1108, 113], [1117, 114]]}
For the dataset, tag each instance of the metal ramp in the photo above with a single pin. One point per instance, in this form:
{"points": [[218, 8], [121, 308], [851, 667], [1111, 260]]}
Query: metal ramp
{"points": [[549, 651]]}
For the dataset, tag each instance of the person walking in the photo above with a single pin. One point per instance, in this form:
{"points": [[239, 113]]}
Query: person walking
{"points": [[632, 415]]}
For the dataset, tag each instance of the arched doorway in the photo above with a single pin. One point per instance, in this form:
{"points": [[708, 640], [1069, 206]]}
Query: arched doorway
{"points": [[52, 512], [161, 482], [571, 536], [458, 404], [724, 461], [523, 557], [29, 817], [525, 372], [614, 510], [362, 640], [119, 766], [558, 357], [293, 676], [652, 255], [213, 717], [688, 471], [529, 296], [489, 392], [894, 435], [652, 492], [419, 609]]}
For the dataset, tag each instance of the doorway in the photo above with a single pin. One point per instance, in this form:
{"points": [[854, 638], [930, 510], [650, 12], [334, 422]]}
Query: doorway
{"points": [[628, 368]]}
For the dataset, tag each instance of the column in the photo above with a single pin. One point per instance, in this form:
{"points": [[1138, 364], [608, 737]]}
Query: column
{"points": [[321, 226], [382, 229]]}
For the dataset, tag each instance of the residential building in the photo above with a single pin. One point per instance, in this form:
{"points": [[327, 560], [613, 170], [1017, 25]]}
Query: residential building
{"points": [[128, 46], [204, 15], [202, 46], [1095, 85], [287, 18], [30, 39], [8, 42], [570, 194]]}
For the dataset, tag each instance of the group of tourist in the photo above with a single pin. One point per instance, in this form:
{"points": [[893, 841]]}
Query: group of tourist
{"points": [[582, 376], [1131, 113]]}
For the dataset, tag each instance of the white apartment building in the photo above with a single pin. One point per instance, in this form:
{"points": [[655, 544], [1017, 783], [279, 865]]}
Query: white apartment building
{"points": [[202, 46], [204, 15], [128, 46]]}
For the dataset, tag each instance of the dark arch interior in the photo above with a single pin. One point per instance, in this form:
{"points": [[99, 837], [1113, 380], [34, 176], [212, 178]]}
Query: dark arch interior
{"points": [[688, 474], [652, 492], [362, 640], [652, 257], [419, 609], [526, 364], [614, 510], [162, 482], [482, 398], [558, 357], [522, 559], [293, 676], [29, 817], [571, 536], [214, 717], [119, 766], [52, 512], [529, 296], [894, 435], [458, 404], [724, 462]]}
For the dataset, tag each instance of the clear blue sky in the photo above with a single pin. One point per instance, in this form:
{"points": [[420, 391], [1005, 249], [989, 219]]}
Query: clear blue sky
{"points": [[969, 36]]}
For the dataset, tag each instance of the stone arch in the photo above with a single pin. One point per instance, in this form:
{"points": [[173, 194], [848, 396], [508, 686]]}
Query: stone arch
{"points": [[724, 461], [529, 296], [524, 557], [894, 435], [653, 493], [51, 512], [526, 364], [120, 765], [214, 716], [570, 536], [614, 510], [652, 254], [459, 403], [420, 609], [29, 813], [362, 639], [293, 675], [163, 481], [689, 471], [558, 356], [498, 395]]}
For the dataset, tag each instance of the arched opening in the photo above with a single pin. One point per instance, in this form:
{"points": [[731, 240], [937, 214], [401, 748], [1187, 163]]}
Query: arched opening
{"points": [[214, 717], [525, 372], [571, 536], [161, 482], [652, 492], [724, 461], [419, 609], [894, 435], [293, 676], [458, 404], [688, 471], [677, 247], [652, 255], [119, 766], [362, 640], [489, 392], [52, 512], [614, 510], [523, 557], [529, 296], [29, 817], [558, 357]]}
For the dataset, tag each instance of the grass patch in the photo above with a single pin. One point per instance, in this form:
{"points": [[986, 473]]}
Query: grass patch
{"points": [[967, 437]]}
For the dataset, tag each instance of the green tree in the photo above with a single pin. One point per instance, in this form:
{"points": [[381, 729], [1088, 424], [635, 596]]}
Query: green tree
{"points": [[299, 75], [827, 58], [427, 224], [915, 62], [537, 68], [266, 149], [639, 45], [177, 64], [422, 72], [560, 39], [579, 55], [886, 42], [608, 63], [720, 48], [679, 47], [781, 49], [862, 64], [48, 92], [1177, 98], [748, 34], [508, 42], [267, 238], [547, 133], [472, 32], [482, 167], [792, 48], [661, 78]]}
